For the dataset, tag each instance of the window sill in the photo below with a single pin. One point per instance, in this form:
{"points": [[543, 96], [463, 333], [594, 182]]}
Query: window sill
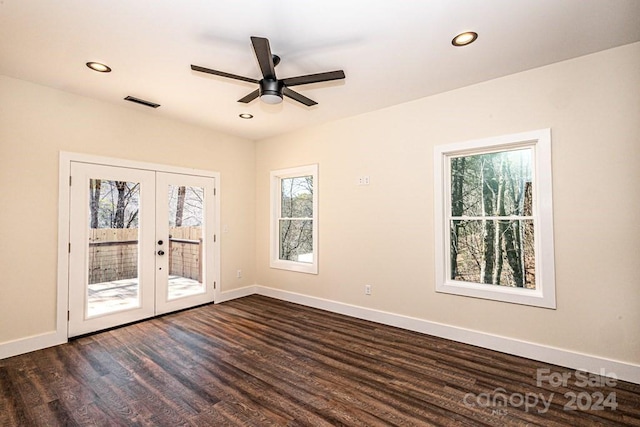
{"points": [[509, 294], [298, 267]]}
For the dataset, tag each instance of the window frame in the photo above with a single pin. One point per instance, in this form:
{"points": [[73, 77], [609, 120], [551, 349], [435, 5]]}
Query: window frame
{"points": [[276, 177], [544, 294]]}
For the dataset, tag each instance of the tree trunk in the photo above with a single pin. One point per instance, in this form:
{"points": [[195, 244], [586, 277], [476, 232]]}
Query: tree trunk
{"points": [[94, 200], [182, 191], [286, 206], [121, 186], [526, 237], [499, 225], [488, 208], [513, 234], [457, 209], [513, 249]]}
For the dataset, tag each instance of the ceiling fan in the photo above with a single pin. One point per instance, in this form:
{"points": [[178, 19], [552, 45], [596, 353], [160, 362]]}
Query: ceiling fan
{"points": [[271, 88]]}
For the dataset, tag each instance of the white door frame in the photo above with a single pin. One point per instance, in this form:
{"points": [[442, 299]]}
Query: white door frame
{"points": [[64, 199]]}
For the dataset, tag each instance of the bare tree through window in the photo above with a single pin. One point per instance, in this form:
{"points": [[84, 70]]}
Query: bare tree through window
{"points": [[491, 223], [296, 223]]}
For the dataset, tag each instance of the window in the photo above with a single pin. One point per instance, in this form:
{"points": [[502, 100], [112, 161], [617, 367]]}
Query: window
{"points": [[494, 224], [294, 212]]}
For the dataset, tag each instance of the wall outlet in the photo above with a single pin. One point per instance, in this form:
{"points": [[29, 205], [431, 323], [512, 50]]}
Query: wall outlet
{"points": [[239, 274], [367, 289]]}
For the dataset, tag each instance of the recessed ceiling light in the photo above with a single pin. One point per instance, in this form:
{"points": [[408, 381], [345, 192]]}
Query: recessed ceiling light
{"points": [[101, 68], [246, 116], [464, 39]]}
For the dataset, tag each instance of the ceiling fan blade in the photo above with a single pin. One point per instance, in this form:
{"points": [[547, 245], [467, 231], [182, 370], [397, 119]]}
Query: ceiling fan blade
{"points": [[265, 57], [314, 78], [223, 74], [253, 95], [298, 97]]}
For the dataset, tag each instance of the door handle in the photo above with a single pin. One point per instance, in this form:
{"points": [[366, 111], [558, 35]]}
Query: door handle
{"points": [[161, 252]]}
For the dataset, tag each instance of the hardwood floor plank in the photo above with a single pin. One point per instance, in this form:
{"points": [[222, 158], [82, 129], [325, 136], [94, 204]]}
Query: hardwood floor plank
{"points": [[316, 365], [257, 361], [331, 358], [14, 412]]}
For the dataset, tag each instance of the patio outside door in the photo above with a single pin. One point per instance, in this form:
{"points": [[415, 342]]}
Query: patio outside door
{"points": [[141, 245]]}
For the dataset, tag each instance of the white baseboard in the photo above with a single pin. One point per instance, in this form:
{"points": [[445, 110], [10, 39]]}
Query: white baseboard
{"points": [[556, 356], [32, 343], [236, 293], [49, 339]]}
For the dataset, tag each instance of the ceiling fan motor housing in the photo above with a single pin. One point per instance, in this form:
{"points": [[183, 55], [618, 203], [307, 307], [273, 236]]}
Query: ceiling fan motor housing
{"points": [[271, 91]]}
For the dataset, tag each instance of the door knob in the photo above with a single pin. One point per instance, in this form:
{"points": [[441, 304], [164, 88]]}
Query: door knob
{"points": [[160, 252]]}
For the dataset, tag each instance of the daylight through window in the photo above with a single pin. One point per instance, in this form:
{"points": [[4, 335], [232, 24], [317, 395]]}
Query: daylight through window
{"points": [[294, 224], [490, 217], [494, 219]]}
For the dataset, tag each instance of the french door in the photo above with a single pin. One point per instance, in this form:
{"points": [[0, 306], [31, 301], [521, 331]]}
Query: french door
{"points": [[141, 244]]}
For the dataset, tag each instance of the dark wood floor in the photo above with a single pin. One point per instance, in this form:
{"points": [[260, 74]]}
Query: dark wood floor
{"points": [[257, 361]]}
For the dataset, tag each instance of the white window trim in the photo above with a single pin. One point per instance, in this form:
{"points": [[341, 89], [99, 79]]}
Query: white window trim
{"points": [[544, 295], [275, 261]]}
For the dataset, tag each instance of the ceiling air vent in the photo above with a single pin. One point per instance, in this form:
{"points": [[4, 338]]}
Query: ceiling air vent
{"points": [[142, 102]]}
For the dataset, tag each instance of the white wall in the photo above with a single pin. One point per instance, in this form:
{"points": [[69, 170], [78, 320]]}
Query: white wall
{"points": [[36, 123], [383, 234]]}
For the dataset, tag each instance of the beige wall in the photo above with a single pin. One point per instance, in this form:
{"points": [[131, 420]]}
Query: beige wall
{"points": [[36, 123], [383, 234]]}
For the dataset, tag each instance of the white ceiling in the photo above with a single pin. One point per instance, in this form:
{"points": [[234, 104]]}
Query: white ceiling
{"points": [[391, 51]]}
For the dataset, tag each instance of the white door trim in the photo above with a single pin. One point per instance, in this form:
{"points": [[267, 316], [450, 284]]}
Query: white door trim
{"points": [[64, 199]]}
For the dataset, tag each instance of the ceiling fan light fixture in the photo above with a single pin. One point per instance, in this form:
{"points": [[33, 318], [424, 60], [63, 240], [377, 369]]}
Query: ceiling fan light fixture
{"points": [[271, 91], [271, 98], [99, 67], [464, 39]]}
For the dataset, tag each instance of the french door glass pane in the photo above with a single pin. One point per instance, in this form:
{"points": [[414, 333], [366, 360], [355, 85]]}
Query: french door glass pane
{"points": [[113, 282], [186, 216]]}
